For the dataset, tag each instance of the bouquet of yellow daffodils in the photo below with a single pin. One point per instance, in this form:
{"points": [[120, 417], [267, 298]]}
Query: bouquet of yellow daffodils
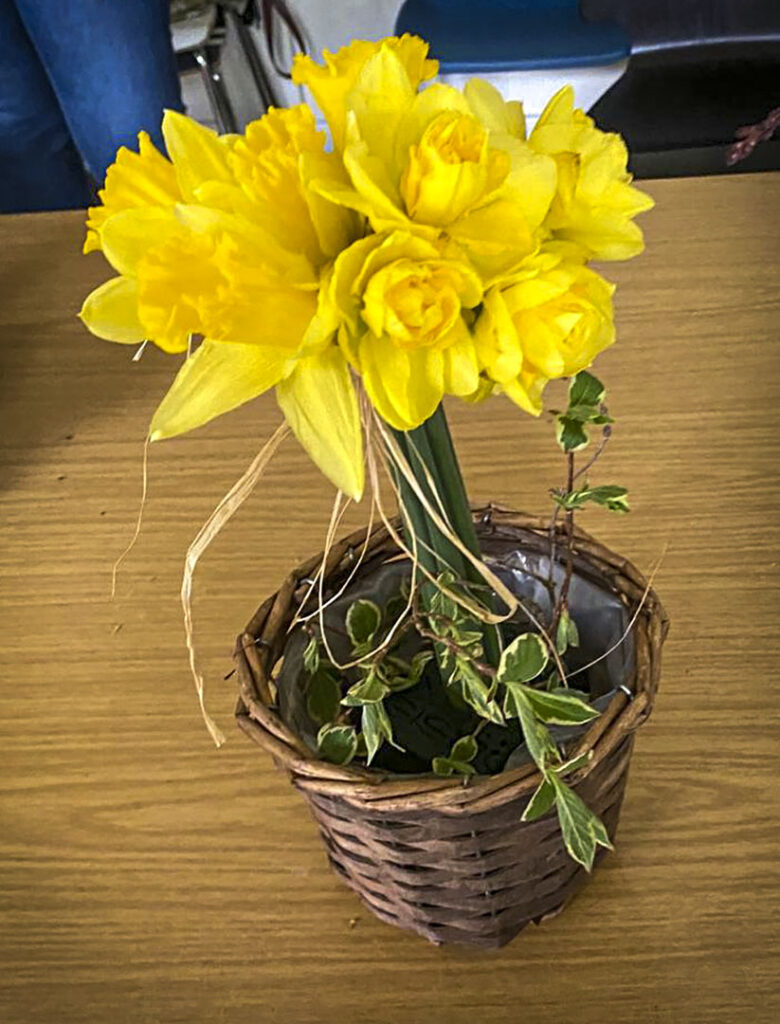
{"points": [[432, 250], [431, 247]]}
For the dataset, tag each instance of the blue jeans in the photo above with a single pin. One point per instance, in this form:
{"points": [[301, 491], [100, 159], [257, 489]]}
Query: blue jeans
{"points": [[78, 79]]}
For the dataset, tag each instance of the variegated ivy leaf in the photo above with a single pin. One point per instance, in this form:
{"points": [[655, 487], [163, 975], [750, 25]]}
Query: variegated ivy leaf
{"points": [[311, 656], [376, 728], [566, 634], [582, 831], [574, 764], [559, 708], [523, 659], [446, 766], [370, 690], [540, 803], [337, 743], [362, 622], [475, 691], [536, 735], [586, 394], [586, 389], [570, 434], [395, 608], [610, 496], [323, 694], [406, 675], [464, 749], [458, 761]]}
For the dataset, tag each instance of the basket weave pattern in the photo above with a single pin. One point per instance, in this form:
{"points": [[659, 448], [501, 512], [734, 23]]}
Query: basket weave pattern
{"points": [[453, 861]]}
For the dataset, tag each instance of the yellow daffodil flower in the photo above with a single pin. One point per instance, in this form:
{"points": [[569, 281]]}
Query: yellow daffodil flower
{"points": [[594, 201], [434, 250], [551, 320], [243, 272], [439, 162], [331, 82], [400, 302]]}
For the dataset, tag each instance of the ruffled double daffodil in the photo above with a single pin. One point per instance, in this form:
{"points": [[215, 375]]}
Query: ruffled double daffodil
{"points": [[400, 303], [549, 319], [227, 241], [595, 202], [438, 163]]}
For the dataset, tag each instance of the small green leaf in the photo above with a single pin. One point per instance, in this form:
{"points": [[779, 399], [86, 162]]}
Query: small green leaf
{"points": [[323, 694], [600, 833], [394, 609], [419, 661], [586, 389], [475, 691], [407, 675], [574, 764], [611, 496], [337, 743], [583, 413], [311, 656], [570, 434], [441, 603], [363, 620], [536, 735], [368, 691], [573, 633], [567, 634], [376, 728], [464, 749], [559, 709], [445, 766], [541, 801], [562, 633], [570, 691], [523, 659], [581, 829]]}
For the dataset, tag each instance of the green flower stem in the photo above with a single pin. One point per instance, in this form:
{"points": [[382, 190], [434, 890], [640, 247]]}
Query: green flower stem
{"points": [[432, 443]]}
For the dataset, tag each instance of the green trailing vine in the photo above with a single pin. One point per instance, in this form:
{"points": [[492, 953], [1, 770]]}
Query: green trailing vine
{"points": [[523, 683]]}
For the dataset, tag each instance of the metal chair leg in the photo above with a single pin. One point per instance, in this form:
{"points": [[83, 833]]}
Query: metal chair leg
{"points": [[268, 96], [215, 87]]}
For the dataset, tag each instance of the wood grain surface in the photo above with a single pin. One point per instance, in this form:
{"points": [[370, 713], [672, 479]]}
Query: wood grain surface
{"points": [[146, 877]]}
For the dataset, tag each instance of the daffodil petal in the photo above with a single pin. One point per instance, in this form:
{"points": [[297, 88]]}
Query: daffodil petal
{"points": [[335, 223], [197, 152], [425, 106], [526, 392], [558, 110], [216, 378], [461, 371], [128, 235], [319, 403], [405, 385], [111, 312], [495, 337], [489, 106]]}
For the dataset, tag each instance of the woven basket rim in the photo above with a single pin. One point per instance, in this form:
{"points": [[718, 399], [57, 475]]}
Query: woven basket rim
{"points": [[260, 645]]}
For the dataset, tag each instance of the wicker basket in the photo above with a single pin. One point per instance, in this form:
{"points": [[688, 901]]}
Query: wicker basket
{"points": [[453, 861]]}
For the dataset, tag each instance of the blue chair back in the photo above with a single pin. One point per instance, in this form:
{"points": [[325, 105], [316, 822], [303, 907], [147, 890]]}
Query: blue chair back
{"points": [[484, 36]]}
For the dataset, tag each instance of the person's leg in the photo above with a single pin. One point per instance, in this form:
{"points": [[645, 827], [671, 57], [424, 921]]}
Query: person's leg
{"points": [[39, 166], [112, 67]]}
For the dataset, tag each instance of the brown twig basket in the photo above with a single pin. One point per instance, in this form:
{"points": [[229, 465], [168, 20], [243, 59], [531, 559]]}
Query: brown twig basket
{"points": [[453, 861]]}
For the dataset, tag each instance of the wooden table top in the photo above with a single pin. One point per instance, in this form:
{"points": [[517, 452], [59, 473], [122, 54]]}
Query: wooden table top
{"points": [[147, 877]]}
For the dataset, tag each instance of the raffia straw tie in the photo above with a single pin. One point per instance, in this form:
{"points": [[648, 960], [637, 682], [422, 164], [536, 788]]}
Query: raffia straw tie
{"points": [[224, 511], [138, 521]]}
